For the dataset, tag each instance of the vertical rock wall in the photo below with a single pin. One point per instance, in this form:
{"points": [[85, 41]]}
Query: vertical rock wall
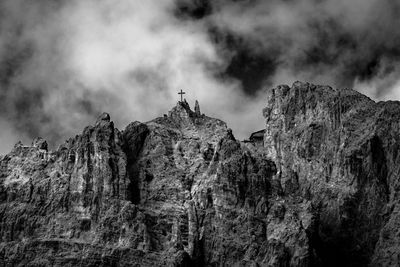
{"points": [[338, 149], [176, 191], [180, 190]]}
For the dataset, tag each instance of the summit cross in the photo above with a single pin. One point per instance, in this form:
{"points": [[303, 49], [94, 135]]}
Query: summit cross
{"points": [[181, 93]]}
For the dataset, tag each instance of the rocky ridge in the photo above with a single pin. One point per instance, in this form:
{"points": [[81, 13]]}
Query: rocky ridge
{"points": [[339, 149], [175, 191], [180, 190]]}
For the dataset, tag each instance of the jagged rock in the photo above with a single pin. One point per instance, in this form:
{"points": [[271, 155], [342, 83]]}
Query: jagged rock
{"points": [[338, 149], [103, 118], [229, 134], [180, 190], [40, 143], [197, 108], [18, 144]]}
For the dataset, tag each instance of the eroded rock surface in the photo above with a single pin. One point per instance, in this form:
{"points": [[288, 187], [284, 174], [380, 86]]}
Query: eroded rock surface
{"points": [[175, 191], [339, 149], [180, 190]]}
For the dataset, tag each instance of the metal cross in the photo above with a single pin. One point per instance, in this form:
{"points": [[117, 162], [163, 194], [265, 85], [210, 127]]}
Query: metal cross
{"points": [[181, 93]]}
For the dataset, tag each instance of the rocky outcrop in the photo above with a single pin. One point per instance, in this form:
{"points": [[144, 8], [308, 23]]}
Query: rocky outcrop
{"points": [[339, 149], [197, 108], [178, 191], [57, 207]]}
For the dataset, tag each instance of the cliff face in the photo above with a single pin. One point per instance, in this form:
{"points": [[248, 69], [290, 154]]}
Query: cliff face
{"points": [[176, 191], [339, 149], [182, 191]]}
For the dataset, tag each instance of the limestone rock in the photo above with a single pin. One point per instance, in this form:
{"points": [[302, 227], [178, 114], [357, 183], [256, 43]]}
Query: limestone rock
{"points": [[176, 191], [40, 143], [338, 149], [197, 108], [103, 118], [321, 189]]}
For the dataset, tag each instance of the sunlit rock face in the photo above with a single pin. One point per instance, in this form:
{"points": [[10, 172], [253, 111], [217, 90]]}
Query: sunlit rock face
{"points": [[180, 190], [339, 149]]}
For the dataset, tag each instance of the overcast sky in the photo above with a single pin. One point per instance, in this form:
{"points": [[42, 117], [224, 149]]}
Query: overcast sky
{"points": [[63, 62]]}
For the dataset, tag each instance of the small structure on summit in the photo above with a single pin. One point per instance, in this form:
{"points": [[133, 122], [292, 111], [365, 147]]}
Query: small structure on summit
{"points": [[185, 105], [182, 113], [181, 93], [257, 138]]}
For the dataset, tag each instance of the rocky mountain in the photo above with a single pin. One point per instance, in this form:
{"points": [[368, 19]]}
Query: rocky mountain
{"points": [[180, 190]]}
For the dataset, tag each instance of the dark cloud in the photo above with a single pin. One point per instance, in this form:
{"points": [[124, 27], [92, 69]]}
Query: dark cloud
{"points": [[251, 67], [63, 62], [195, 9], [345, 43]]}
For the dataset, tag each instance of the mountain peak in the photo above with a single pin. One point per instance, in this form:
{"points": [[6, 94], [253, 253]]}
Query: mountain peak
{"points": [[307, 101], [321, 189], [191, 123], [104, 117], [183, 110]]}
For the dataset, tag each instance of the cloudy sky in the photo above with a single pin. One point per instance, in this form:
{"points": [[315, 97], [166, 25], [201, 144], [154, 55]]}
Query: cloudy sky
{"points": [[63, 62]]}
